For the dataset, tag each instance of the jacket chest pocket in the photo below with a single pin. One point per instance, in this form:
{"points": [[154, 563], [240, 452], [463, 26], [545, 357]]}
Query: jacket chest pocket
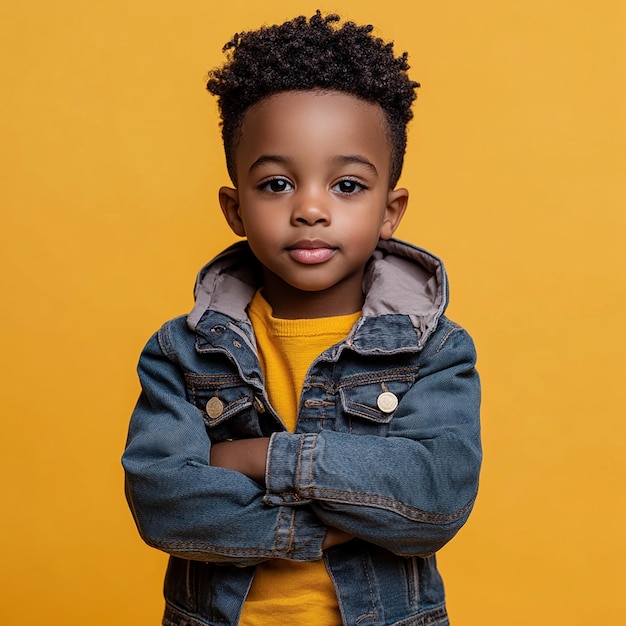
{"points": [[227, 406], [369, 401]]}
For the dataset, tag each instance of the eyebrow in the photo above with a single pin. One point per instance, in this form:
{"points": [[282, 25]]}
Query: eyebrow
{"points": [[268, 158], [349, 159], [342, 159]]}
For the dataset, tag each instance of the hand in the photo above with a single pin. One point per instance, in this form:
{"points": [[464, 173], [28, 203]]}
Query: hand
{"points": [[334, 537], [247, 456]]}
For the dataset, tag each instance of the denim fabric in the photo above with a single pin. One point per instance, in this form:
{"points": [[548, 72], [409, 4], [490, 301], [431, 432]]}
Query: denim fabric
{"points": [[402, 480]]}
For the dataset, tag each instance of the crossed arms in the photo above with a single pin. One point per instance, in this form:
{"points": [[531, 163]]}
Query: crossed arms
{"points": [[295, 494]]}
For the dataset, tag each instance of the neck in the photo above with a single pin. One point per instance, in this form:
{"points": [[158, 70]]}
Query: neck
{"points": [[290, 303]]}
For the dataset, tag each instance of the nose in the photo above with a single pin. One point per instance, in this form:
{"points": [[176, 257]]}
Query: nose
{"points": [[310, 208]]}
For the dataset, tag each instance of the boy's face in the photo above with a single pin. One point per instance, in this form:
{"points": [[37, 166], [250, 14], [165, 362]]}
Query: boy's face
{"points": [[313, 197]]}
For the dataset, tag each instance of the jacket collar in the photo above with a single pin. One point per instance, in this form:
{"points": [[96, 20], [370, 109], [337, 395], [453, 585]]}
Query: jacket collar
{"points": [[400, 279]]}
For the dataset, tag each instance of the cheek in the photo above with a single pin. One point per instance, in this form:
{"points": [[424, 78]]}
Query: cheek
{"points": [[261, 226], [365, 227]]}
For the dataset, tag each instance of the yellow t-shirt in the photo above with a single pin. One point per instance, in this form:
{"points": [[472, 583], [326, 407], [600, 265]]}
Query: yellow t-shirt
{"points": [[283, 591]]}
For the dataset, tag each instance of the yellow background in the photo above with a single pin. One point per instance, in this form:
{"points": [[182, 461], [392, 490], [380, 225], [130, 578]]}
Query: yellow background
{"points": [[110, 164]]}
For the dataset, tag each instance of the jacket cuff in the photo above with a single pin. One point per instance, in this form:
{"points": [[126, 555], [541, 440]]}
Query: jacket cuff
{"points": [[289, 468], [306, 535]]}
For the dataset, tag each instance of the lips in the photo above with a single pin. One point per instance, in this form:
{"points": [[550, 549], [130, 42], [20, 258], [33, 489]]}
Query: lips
{"points": [[311, 251]]}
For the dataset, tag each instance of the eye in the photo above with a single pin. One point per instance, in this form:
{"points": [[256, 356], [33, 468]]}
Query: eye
{"points": [[276, 185], [348, 186]]}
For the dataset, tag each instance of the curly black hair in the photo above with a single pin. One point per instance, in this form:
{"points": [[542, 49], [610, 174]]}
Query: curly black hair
{"points": [[307, 54]]}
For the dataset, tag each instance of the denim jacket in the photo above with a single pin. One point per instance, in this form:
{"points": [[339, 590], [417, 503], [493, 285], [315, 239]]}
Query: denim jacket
{"points": [[386, 448]]}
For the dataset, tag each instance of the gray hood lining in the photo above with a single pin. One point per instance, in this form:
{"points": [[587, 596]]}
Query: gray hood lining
{"points": [[400, 279]]}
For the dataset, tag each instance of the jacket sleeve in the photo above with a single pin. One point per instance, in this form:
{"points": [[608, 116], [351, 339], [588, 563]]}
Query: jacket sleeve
{"points": [[412, 490], [185, 507]]}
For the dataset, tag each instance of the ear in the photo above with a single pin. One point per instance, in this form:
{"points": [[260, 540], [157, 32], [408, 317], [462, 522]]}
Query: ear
{"points": [[229, 202], [397, 200]]}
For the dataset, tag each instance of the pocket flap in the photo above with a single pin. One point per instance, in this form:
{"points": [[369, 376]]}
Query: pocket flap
{"points": [[376, 396], [218, 397]]}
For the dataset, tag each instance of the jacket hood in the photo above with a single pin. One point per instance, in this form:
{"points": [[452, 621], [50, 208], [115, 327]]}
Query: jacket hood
{"points": [[400, 279]]}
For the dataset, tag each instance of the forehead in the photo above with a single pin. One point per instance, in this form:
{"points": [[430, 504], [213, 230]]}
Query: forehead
{"points": [[316, 123]]}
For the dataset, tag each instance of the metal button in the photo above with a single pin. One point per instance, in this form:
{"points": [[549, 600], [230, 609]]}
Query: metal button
{"points": [[214, 407], [387, 402]]}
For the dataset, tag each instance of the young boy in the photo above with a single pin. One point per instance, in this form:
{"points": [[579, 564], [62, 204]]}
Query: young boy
{"points": [[308, 436]]}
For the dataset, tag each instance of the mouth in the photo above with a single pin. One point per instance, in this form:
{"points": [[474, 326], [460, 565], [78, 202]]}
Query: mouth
{"points": [[311, 251]]}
